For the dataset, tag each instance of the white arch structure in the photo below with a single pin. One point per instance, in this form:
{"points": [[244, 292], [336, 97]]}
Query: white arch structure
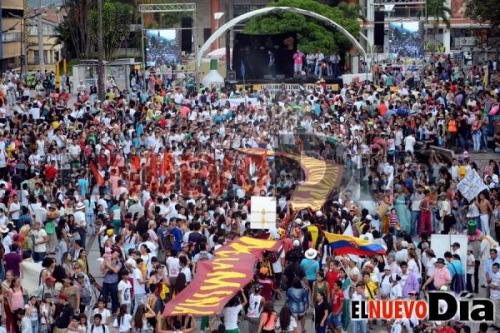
{"points": [[266, 10]]}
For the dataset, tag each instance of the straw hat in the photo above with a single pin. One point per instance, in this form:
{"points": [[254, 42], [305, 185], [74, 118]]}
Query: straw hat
{"points": [[311, 254]]}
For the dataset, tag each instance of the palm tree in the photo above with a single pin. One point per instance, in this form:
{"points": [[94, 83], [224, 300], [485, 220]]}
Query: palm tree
{"points": [[439, 12]]}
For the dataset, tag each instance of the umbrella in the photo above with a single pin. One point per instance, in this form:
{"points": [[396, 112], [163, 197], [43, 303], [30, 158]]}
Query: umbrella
{"points": [[219, 54]]}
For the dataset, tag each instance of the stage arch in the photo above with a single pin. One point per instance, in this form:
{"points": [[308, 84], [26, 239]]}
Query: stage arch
{"points": [[266, 10]]}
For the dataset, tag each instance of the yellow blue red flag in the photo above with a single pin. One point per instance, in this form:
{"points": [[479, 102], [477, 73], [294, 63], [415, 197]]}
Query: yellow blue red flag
{"points": [[345, 244]]}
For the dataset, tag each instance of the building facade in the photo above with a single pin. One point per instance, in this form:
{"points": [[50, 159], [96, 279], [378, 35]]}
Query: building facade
{"points": [[12, 48], [48, 47]]}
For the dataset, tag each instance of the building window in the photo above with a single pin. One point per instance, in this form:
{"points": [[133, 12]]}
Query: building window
{"points": [[206, 34], [36, 57]]}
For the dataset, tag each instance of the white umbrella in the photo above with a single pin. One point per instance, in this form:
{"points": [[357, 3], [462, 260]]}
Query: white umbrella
{"points": [[219, 54]]}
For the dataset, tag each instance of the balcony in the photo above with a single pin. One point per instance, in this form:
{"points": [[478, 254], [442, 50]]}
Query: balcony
{"points": [[12, 4]]}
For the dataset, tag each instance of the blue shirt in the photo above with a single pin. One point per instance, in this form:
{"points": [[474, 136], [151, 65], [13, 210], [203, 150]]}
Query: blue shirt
{"points": [[83, 183], [310, 267], [177, 233], [455, 267]]}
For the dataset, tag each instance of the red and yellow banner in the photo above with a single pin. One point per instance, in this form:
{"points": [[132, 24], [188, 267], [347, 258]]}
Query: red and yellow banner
{"points": [[218, 280]]}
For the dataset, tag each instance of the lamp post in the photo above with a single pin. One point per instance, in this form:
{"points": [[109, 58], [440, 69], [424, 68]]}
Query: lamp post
{"points": [[100, 54]]}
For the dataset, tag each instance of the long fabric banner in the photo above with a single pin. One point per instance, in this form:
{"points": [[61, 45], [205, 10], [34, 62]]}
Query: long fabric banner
{"points": [[218, 280], [321, 178]]}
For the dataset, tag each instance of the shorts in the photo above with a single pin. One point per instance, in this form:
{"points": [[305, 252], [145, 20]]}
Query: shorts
{"points": [[335, 320]]}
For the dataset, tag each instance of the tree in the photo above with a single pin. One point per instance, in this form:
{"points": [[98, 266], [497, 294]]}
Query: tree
{"points": [[73, 30], [312, 34], [117, 18], [484, 11], [78, 30], [438, 11]]}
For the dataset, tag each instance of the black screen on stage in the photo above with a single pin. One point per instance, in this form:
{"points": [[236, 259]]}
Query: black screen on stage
{"points": [[258, 57]]}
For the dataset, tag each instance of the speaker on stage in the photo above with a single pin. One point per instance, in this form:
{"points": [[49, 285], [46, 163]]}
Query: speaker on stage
{"points": [[231, 76], [378, 29], [187, 34]]}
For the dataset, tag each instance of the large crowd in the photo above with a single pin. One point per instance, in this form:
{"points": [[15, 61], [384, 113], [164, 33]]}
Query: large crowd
{"points": [[155, 177]]}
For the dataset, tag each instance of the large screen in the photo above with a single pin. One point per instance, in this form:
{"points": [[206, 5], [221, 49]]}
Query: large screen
{"points": [[162, 47], [405, 39], [264, 56]]}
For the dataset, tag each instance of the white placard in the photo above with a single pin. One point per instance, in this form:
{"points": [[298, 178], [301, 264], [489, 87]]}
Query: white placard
{"points": [[471, 185], [442, 243], [263, 213]]}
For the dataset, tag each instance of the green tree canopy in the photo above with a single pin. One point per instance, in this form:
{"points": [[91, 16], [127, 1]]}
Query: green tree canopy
{"points": [[116, 21], [487, 11], [312, 34], [78, 30]]}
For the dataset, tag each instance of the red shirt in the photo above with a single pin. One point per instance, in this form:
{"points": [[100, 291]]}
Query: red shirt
{"points": [[337, 301], [331, 277], [267, 288], [50, 173]]}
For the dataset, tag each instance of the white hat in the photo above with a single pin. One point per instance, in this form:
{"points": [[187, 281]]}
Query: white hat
{"points": [[296, 243], [80, 206], [404, 244], [319, 213], [311, 254], [369, 217], [4, 229], [298, 221]]}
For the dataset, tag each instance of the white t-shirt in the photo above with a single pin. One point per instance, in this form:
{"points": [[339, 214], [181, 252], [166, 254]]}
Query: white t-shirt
{"points": [[125, 288], [80, 218], [231, 316], [409, 143], [125, 323], [138, 287], [39, 235], [187, 273], [254, 306], [173, 266], [105, 314], [14, 210]]}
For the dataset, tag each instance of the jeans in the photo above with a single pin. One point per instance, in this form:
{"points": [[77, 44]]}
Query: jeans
{"points": [[35, 326], [38, 256], [469, 283], [476, 140], [484, 137], [111, 289], [83, 236], [359, 326], [415, 220]]}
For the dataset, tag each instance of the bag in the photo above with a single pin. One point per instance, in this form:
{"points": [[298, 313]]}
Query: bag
{"points": [[471, 227], [457, 282]]}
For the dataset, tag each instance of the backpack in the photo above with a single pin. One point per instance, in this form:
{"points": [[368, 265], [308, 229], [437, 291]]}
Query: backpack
{"points": [[103, 328], [457, 282]]}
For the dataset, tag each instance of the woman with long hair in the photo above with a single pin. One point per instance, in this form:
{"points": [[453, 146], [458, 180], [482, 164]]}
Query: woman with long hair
{"points": [[141, 316], [83, 261], [267, 319], [320, 285], [123, 321], [33, 312], [287, 322], [9, 314]]}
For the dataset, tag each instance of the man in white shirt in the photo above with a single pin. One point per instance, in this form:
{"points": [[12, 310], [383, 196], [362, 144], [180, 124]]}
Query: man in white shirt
{"points": [[410, 143], [80, 221], [40, 240]]}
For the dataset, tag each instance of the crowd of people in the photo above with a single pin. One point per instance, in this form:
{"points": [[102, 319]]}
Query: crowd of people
{"points": [[156, 177]]}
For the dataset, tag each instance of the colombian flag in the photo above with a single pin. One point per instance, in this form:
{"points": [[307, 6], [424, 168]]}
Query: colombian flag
{"points": [[344, 244]]}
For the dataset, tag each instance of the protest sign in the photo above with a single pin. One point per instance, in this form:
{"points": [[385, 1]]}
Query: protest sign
{"points": [[263, 213], [471, 185]]}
